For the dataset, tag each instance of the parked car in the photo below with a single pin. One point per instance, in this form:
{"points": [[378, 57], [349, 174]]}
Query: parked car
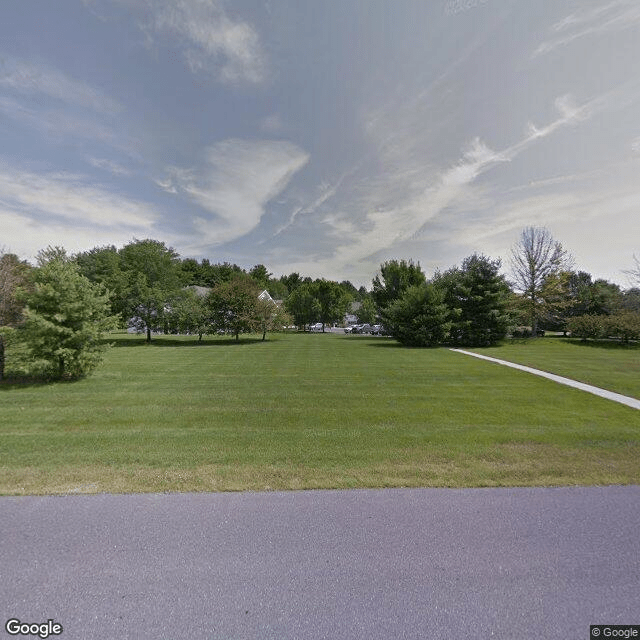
{"points": [[361, 328], [316, 327]]}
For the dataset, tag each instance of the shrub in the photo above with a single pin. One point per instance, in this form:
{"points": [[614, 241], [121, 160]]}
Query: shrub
{"points": [[624, 325], [419, 317], [587, 326]]}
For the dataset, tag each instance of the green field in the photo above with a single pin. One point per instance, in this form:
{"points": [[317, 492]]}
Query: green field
{"points": [[609, 365], [320, 411]]}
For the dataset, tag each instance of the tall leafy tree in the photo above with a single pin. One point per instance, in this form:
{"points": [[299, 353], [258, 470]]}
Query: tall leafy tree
{"points": [[261, 275], [104, 266], [65, 318], [190, 313], [291, 281], [14, 278], [234, 305], [634, 273], [395, 277], [303, 305], [332, 299], [277, 290], [535, 257], [367, 311], [153, 279], [270, 317], [569, 294]]}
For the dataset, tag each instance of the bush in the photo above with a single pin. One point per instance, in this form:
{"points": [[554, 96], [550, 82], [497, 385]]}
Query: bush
{"points": [[586, 327], [624, 326]]}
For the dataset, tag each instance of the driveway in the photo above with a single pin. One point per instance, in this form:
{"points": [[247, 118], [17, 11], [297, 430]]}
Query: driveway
{"points": [[365, 564]]}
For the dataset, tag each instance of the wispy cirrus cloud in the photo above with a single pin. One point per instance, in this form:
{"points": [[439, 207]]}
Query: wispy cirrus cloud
{"points": [[109, 165], [327, 191], [38, 209], [58, 123], [235, 182], [211, 41], [390, 226], [27, 77], [70, 201], [605, 18]]}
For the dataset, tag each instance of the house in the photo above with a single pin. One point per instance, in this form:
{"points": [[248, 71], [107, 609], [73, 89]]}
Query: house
{"points": [[351, 316]]}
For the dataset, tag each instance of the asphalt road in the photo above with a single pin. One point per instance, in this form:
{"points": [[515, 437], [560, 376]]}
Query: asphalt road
{"points": [[366, 564]]}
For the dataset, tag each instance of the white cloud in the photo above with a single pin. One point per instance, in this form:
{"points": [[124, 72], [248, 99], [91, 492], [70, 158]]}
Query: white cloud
{"points": [[237, 180], [607, 18], [58, 208], [59, 124], [110, 166], [393, 222], [327, 191], [29, 77], [213, 42], [25, 234]]}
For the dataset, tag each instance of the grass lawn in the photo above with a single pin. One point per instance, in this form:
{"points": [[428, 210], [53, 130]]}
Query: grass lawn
{"points": [[317, 411], [609, 365]]}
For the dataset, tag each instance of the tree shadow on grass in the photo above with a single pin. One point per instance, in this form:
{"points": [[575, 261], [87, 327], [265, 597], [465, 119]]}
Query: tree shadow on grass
{"points": [[169, 341], [603, 344], [387, 343], [11, 383]]}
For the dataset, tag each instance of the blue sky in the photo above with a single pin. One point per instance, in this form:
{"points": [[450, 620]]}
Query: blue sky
{"points": [[322, 137]]}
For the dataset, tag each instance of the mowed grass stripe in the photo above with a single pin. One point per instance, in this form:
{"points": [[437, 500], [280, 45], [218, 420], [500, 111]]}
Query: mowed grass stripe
{"points": [[608, 365], [306, 411]]}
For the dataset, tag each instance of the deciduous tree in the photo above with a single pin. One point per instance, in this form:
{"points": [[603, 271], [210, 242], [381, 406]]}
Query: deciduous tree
{"points": [[303, 305], [535, 257], [634, 272], [367, 312], [234, 305], [153, 279], [332, 299], [270, 317], [14, 276]]}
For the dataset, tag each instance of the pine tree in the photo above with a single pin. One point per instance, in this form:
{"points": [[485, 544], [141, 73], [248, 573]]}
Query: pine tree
{"points": [[65, 317], [476, 295]]}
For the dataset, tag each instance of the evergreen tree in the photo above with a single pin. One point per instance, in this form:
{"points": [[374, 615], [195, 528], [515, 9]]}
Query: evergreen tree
{"points": [[419, 318], [476, 296], [66, 316], [395, 277]]}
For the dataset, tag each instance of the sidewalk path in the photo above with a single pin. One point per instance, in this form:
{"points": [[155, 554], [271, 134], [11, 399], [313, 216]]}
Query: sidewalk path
{"points": [[603, 393]]}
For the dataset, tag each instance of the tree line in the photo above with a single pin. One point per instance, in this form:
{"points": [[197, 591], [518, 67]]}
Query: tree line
{"points": [[57, 311]]}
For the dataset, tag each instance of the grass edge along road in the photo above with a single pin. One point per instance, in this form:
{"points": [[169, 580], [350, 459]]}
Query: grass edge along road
{"points": [[306, 412]]}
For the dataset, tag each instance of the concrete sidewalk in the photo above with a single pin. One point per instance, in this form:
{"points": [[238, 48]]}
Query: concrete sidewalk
{"points": [[603, 393]]}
